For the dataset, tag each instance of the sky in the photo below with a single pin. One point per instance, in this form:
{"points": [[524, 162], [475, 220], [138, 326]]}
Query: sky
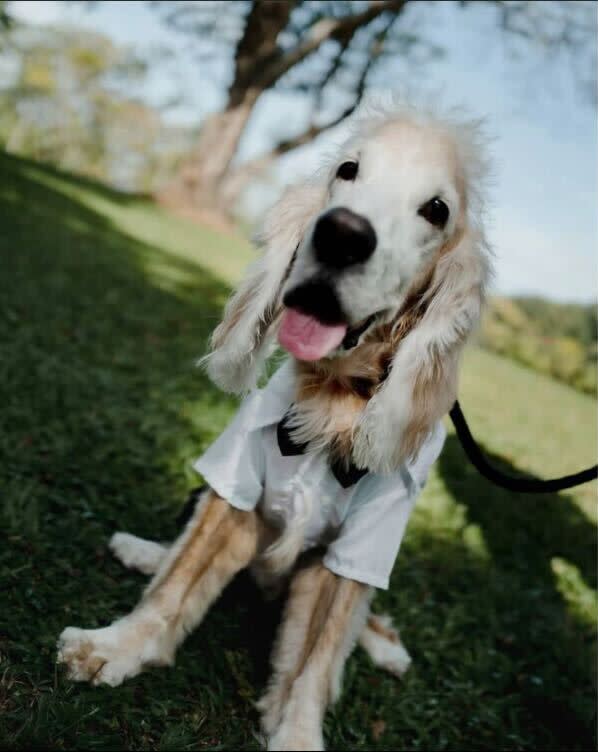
{"points": [[543, 218]]}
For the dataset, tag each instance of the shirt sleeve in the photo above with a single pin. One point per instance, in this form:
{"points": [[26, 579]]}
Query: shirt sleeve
{"points": [[234, 464], [370, 536], [419, 467]]}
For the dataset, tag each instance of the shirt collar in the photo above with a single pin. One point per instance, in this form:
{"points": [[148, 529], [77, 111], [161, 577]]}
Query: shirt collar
{"points": [[273, 404], [346, 475], [276, 397]]}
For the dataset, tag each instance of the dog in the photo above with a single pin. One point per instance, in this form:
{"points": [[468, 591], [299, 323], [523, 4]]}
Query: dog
{"points": [[372, 278]]}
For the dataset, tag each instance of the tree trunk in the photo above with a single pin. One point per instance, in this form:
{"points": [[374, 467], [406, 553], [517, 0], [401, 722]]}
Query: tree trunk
{"points": [[216, 147], [199, 182]]}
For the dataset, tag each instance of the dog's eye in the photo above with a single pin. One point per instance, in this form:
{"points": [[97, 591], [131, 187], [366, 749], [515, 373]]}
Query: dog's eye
{"points": [[347, 171], [435, 211]]}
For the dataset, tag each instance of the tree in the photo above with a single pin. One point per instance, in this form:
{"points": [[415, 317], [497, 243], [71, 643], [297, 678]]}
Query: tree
{"points": [[59, 104], [329, 50]]}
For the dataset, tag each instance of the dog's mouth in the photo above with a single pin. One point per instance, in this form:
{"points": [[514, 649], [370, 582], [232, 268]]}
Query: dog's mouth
{"points": [[307, 338], [313, 323]]}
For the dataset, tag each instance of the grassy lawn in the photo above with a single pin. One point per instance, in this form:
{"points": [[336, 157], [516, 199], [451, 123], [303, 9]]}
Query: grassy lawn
{"points": [[106, 301]]}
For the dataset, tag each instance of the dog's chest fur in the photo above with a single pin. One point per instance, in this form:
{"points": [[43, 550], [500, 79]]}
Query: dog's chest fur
{"points": [[333, 393]]}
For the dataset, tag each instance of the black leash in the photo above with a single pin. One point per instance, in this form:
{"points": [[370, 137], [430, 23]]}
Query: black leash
{"points": [[522, 485]]}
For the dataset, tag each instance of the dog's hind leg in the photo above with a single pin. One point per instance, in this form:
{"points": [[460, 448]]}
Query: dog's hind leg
{"points": [[138, 553], [218, 542], [147, 556], [382, 643], [323, 617]]}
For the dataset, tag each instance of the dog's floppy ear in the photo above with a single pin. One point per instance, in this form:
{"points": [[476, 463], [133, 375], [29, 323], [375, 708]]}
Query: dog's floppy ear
{"points": [[243, 340], [422, 383]]}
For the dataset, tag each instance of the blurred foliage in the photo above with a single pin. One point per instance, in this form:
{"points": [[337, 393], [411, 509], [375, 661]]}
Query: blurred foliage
{"points": [[554, 338], [5, 18], [61, 102]]}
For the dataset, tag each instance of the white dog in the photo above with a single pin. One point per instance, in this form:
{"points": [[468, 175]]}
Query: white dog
{"points": [[372, 278]]}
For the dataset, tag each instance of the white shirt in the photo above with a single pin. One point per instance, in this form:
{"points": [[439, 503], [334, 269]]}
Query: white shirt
{"points": [[362, 525]]}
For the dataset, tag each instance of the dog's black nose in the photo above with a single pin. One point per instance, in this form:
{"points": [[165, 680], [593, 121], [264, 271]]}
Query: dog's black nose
{"points": [[342, 238]]}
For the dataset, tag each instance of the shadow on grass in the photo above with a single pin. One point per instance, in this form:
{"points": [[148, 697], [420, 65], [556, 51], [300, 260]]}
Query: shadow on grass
{"points": [[499, 659], [102, 411], [553, 652], [18, 165]]}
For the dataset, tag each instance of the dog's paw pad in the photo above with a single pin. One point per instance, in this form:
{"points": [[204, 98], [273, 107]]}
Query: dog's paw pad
{"points": [[96, 656], [76, 652]]}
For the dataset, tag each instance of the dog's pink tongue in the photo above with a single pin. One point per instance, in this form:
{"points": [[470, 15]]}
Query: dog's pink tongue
{"points": [[306, 338]]}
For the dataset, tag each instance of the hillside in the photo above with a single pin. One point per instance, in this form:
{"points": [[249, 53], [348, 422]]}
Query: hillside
{"points": [[553, 338], [106, 303]]}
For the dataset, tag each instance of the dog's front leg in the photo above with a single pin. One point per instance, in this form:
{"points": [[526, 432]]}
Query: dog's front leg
{"points": [[218, 542], [323, 617]]}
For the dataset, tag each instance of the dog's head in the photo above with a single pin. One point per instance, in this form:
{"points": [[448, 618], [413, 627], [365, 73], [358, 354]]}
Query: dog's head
{"points": [[394, 199], [397, 212]]}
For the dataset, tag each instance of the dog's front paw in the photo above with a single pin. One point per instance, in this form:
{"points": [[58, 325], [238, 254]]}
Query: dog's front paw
{"points": [[297, 738], [109, 655], [89, 658]]}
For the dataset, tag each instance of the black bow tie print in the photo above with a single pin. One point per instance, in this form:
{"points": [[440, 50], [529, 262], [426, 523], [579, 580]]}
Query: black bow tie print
{"points": [[346, 476]]}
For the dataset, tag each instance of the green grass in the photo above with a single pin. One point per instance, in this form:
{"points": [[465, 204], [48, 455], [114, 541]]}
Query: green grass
{"points": [[106, 301]]}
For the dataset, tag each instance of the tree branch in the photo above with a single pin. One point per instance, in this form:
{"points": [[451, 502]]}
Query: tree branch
{"points": [[265, 21], [327, 28], [375, 48]]}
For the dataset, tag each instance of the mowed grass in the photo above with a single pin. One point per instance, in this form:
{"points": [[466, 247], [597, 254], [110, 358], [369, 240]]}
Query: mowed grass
{"points": [[106, 302]]}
